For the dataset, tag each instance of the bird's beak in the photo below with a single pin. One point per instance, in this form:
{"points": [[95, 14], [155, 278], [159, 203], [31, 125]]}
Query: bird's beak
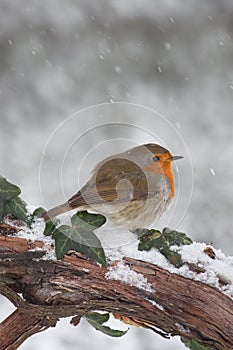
{"points": [[175, 158]]}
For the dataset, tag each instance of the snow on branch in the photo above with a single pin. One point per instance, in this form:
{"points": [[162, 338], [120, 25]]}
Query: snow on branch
{"points": [[142, 288]]}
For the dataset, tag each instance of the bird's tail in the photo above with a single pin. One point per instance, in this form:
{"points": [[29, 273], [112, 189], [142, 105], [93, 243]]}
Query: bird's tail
{"points": [[51, 213]]}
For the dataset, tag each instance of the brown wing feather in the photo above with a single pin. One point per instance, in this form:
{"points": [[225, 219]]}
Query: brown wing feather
{"points": [[106, 184]]}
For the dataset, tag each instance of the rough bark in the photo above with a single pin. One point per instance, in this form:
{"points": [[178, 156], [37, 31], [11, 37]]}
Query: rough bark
{"points": [[73, 286]]}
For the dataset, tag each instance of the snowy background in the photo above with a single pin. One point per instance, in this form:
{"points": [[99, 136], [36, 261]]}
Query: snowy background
{"points": [[57, 58]]}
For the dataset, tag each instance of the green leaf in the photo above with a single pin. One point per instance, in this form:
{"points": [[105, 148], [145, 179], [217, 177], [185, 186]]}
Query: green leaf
{"points": [[163, 242], [38, 212], [172, 256], [50, 227], [193, 344], [86, 219], [17, 208], [151, 239], [96, 317], [8, 190], [80, 237], [2, 211], [97, 320], [175, 237], [64, 240], [67, 238]]}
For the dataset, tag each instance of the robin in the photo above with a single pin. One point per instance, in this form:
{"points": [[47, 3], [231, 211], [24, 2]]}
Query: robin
{"points": [[132, 189]]}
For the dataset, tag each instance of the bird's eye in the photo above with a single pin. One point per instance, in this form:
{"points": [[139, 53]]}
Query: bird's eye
{"points": [[155, 159]]}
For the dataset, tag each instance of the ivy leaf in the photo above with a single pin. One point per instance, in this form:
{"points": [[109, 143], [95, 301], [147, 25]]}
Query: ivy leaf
{"points": [[85, 219], [69, 238], [2, 211], [80, 237], [50, 227], [8, 190], [175, 237], [151, 239], [64, 240], [96, 317], [17, 208], [163, 242], [193, 344], [172, 256], [38, 212], [97, 320]]}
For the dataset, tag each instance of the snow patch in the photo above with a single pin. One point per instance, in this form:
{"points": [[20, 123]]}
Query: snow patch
{"points": [[36, 232], [123, 273], [182, 328], [155, 304], [221, 266]]}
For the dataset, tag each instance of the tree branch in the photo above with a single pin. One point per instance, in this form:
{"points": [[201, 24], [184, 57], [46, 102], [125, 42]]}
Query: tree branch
{"points": [[73, 286]]}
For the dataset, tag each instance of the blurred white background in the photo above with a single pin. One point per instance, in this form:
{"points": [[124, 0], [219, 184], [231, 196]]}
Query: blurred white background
{"points": [[173, 56]]}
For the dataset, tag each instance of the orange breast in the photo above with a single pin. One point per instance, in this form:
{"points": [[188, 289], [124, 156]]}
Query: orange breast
{"points": [[164, 168], [168, 173]]}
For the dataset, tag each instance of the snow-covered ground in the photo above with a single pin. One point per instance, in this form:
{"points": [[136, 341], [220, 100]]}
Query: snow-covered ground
{"points": [[57, 58]]}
